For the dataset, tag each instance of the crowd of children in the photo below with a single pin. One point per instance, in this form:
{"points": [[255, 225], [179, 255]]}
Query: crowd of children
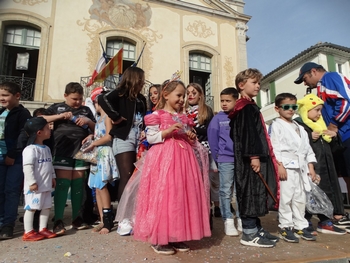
{"points": [[188, 160]]}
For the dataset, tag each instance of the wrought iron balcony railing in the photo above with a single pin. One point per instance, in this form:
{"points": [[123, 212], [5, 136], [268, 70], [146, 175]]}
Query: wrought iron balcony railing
{"points": [[27, 85]]}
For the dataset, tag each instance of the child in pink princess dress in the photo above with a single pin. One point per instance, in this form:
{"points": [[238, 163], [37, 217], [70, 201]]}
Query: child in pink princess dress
{"points": [[173, 200]]}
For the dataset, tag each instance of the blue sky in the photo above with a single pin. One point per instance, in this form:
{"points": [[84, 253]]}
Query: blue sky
{"points": [[280, 29]]}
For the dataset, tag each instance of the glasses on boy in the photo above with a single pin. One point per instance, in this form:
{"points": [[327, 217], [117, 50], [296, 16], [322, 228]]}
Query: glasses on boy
{"points": [[289, 106]]}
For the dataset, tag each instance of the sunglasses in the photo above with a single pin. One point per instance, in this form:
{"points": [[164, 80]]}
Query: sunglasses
{"points": [[289, 106]]}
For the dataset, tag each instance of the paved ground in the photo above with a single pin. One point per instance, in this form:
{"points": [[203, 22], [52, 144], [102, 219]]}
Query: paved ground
{"points": [[85, 246]]}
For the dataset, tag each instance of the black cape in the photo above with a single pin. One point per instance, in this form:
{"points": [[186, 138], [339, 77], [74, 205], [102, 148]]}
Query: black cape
{"points": [[326, 169], [250, 138]]}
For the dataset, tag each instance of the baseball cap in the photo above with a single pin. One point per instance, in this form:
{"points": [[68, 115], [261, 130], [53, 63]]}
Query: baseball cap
{"points": [[32, 126], [95, 92], [305, 68]]}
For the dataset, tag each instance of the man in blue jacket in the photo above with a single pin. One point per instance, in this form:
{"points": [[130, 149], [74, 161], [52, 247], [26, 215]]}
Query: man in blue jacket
{"points": [[334, 89]]}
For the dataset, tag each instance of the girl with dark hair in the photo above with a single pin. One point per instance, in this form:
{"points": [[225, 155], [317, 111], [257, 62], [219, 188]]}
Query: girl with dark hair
{"points": [[126, 107]]}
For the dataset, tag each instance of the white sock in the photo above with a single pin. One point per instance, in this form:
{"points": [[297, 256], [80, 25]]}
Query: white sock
{"points": [[28, 219], [44, 218]]}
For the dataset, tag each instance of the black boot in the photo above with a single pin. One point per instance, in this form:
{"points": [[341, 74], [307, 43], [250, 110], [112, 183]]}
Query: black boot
{"points": [[107, 218]]}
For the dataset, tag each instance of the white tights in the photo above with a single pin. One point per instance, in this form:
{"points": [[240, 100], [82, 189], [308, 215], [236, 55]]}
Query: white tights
{"points": [[28, 219]]}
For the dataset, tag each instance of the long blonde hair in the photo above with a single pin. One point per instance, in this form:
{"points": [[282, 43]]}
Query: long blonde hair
{"points": [[204, 111]]}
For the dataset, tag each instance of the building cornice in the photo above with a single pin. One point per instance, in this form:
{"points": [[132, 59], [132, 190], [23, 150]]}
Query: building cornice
{"points": [[304, 56], [223, 10]]}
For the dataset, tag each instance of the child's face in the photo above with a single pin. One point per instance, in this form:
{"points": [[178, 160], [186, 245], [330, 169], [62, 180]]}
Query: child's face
{"points": [[74, 100], [175, 99], [250, 88], [153, 95], [315, 113], [287, 109], [227, 102], [192, 96], [44, 133], [8, 100]]}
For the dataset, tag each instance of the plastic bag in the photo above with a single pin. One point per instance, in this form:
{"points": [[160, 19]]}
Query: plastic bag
{"points": [[317, 202], [90, 156]]}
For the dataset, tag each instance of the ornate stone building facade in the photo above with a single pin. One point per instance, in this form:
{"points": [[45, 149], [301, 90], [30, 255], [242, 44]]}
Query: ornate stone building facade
{"points": [[48, 43]]}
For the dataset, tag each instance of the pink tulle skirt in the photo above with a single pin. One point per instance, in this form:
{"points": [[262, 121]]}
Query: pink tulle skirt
{"points": [[173, 197]]}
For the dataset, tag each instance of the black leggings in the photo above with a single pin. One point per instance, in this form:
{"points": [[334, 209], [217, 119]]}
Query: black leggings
{"points": [[125, 162], [322, 217]]}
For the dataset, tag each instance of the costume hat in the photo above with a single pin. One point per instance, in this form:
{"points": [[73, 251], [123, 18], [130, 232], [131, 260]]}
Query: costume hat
{"points": [[306, 104], [95, 92]]}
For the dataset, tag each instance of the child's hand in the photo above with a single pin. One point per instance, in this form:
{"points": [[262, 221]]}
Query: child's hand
{"points": [[174, 127], [330, 133], [282, 173], [53, 183], [313, 176], [82, 120], [191, 135], [317, 179], [87, 138], [255, 164], [33, 188], [142, 135], [119, 121], [89, 148], [9, 161], [312, 172], [66, 115], [315, 135]]}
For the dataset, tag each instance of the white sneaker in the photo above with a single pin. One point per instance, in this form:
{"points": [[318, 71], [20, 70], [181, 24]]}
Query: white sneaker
{"points": [[124, 227], [239, 224], [230, 229]]}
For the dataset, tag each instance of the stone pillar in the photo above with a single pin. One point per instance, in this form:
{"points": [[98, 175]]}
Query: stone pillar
{"points": [[242, 28]]}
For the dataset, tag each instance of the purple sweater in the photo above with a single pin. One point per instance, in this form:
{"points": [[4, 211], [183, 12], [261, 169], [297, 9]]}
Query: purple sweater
{"points": [[221, 145]]}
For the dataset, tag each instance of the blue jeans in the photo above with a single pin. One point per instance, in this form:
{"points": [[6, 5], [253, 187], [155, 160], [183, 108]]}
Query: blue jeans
{"points": [[11, 179], [250, 225], [226, 174]]}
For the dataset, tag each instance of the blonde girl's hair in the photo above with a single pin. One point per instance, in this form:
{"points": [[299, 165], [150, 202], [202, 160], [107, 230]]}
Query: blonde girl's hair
{"points": [[204, 111], [167, 88], [130, 82]]}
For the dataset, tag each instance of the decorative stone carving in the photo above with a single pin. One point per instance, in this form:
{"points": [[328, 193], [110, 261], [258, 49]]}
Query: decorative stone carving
{"points": [[125, 14], [228, 70], [30, 2], [242, 28], [94, 28], [199, 29]]}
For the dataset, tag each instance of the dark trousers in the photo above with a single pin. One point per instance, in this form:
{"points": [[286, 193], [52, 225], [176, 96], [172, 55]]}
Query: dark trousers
{"points": [[346, 155], [250, 223], [320, 216]]}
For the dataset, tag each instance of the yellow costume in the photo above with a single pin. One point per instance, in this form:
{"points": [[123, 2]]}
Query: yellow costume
{"points": [[306, 104]]}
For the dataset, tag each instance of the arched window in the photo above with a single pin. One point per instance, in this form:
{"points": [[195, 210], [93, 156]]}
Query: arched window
{"points": [[22, 36], [200, 62], [200, 72], [20, 56], [114, 45]]}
